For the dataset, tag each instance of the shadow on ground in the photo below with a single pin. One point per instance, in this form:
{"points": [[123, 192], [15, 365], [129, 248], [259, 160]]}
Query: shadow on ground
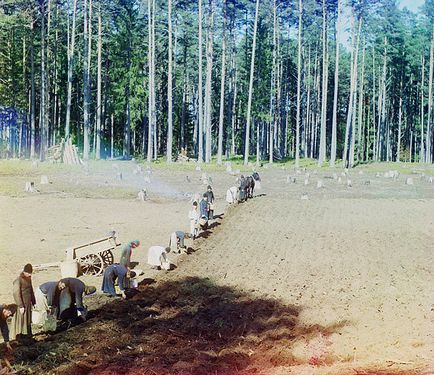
{"points": [[189, 326]]}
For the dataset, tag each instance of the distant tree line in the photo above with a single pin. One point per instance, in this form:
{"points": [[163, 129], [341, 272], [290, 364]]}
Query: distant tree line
{"points": [[263, 79]]}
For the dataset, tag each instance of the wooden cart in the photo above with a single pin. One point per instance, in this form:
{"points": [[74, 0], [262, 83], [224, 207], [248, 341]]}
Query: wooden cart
{"points": [[94, 256]]}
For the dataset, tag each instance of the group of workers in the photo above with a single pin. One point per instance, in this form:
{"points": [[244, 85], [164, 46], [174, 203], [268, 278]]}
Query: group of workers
{"points": [[63, 299]]}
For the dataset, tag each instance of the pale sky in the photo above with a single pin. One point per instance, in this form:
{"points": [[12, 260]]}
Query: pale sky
{"points": [[412, 5], [345, 19]]}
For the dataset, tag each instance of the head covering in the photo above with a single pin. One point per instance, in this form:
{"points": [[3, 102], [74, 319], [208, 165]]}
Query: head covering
{"points": [[205, 195], [12, 308], [28, 268], [209, 187], [135, 243], [89, 290]]}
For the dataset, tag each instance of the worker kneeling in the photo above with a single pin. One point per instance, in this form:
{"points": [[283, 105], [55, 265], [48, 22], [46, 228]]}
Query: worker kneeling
{"points": [[157, 257]]}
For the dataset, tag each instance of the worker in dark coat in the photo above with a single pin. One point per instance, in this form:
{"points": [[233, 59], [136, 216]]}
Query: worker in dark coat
{"points": [[25, 300], [6, 311], [210, 195], [51, 291], [204, 210], [71, 298], [127, 252], [113, 272], [243, 188]]}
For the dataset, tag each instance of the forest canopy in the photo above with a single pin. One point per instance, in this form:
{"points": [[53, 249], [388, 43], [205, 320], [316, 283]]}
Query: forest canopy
{"points": [[269, 79]]}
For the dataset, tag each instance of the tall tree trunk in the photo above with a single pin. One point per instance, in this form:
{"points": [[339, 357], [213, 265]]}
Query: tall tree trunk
{"points": [[374, 131], [348, 159], [323, 135], [422, 115], [70, 70], [86, 84], [222, 89], [360, 115], [335, 94], [382, 125], [428, 147], [32, 92], [258, 158], [398, 146], [98, 94], [48, 119], [200, 88], [249, 102], [154, 105], [150, 85], [273, 87], [297, 128], [43, 123], [169, 87], [112, 136], [208, 90], [184, 98], [234, 112]]}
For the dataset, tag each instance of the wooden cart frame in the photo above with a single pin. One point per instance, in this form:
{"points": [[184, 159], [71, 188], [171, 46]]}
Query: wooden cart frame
{"points": [[94, 256]]}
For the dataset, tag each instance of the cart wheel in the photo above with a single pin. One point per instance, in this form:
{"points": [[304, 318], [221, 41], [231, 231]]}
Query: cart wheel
{"points": [[91, 264], [107, 257]]}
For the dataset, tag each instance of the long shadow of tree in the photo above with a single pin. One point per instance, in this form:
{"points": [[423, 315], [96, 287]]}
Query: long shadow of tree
{"points": [[187, 326]]}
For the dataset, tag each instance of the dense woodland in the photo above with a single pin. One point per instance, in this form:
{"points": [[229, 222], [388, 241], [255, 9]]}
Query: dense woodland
{"points": [[265, 79]]}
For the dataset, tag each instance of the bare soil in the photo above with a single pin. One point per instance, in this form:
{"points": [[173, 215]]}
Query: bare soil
{"points": [[300, 279]]}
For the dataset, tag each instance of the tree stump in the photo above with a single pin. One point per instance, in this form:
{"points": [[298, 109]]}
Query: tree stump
{"points": [[30, 187], [44, 180], [142, 195]]}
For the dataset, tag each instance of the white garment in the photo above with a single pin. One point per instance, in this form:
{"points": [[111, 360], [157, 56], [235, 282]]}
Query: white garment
{"points": [[173, 243], [194, 217], [157, 256], [231, 194], [39, 314]]}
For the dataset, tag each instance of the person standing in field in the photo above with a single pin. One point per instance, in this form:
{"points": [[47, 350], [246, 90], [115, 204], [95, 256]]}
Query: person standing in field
{"points": [[194, 216], [127, 251], [6, 311], [25, 299], [204, 211], [210, 195]]}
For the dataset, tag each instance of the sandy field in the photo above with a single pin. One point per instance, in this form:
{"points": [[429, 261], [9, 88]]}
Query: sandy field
{"points": [[336, 279]]}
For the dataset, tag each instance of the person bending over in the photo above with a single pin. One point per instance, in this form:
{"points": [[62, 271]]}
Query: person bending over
{"points": [[119, 272], [6, 311], [127, 251]]}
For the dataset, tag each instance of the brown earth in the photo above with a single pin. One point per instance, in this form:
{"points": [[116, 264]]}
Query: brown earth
{"points": [[338, 283]]}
